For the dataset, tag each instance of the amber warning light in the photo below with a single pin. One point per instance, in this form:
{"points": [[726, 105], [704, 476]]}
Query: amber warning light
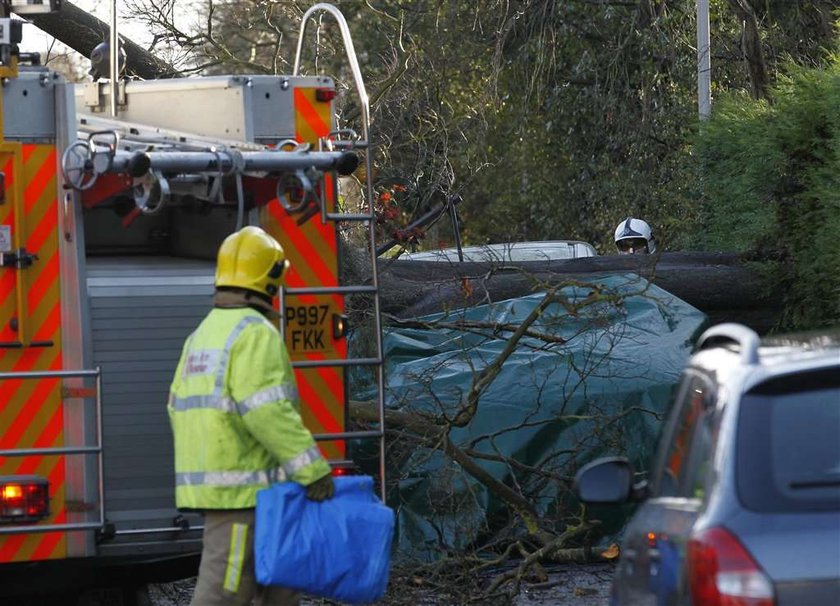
{"points": [[24, 499]]}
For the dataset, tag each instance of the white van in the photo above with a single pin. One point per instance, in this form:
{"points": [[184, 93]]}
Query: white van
{"points": [[551, 250]]}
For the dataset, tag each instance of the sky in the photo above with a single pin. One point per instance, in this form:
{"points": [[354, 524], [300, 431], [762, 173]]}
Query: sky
{"points": [[34, 40]]}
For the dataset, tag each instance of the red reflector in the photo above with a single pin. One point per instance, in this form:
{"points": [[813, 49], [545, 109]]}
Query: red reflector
{"points": [[24, 499], [348, 469], [325, 94]]}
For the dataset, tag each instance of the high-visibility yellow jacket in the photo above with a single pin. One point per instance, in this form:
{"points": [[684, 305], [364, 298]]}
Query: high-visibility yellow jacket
{"points": [[234, 414]]}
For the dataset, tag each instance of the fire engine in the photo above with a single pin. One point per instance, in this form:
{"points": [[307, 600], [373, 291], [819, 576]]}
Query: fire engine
{"points": [[114, 198]]}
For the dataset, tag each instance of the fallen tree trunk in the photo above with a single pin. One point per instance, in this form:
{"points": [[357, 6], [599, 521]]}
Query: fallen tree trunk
{"points": [[81, 31], [722, 285]]}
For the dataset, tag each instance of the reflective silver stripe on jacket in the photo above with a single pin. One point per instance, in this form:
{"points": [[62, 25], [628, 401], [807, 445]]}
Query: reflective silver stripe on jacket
{"points": [[212, 401], [287, 391], [209, 361], [229, 478], [237, 330], [249, 478], [307, 457]]}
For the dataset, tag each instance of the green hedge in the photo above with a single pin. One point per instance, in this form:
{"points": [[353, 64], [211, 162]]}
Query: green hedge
{"points": [[771, 186]]}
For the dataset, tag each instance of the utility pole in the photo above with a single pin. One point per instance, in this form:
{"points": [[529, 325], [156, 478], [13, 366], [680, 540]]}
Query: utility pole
{"points": [[115, 58], [704, 61]]}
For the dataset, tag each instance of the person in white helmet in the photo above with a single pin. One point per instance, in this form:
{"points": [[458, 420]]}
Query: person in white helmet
{"points": [[634, 237]]}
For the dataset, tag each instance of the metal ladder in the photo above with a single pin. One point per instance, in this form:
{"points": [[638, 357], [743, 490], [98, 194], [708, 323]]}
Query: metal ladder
{"points": [[63, 451], [369, 218]]}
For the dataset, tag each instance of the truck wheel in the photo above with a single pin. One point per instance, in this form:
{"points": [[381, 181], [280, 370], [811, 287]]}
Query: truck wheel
{"points": [[126, 595], [136, 595]]}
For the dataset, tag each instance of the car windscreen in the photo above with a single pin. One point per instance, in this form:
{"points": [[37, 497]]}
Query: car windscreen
{"points": [[788, 444]]}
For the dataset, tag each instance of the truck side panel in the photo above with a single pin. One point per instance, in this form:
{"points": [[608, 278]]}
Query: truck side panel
{"points": [[312, 249], [142, 308], [31, 411]]}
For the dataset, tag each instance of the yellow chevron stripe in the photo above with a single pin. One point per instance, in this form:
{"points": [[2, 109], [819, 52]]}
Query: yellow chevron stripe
{"points": [[31, 411], [312, 251], [327, 401]]}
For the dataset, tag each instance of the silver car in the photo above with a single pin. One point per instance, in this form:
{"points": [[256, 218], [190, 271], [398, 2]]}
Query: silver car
{"points": [[742, 503]]}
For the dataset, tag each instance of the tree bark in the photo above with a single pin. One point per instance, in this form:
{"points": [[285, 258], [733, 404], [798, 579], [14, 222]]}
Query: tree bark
{"points": [[722, 285], [82, 31], [753, 51], [650, 11]]}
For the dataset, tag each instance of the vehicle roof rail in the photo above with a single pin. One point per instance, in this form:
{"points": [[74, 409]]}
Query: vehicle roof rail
{"points": [[729, 332]]}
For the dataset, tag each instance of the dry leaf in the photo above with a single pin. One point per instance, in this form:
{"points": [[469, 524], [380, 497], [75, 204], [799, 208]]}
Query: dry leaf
{"points": [[582, 591], [611, 552]]}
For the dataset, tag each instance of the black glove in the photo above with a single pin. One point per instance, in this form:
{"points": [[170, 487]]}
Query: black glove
{"points": [[321, 490]]}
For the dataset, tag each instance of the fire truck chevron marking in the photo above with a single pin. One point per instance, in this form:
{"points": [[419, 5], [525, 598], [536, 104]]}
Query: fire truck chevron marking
{"points": [[44, 283], [312, 118], [49, 544], [305, 255], [325, 395], [308, 267], [31, 412], [45, 404], [45, 220], [41, 234], [9, 546], [49, 329], [27, 151], [23, 416], [7, 306], [332, 380], [37, 186], [322, 415], [48, 436]]}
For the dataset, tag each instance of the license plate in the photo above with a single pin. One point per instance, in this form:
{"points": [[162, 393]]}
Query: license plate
{"points": [[309, 328]]}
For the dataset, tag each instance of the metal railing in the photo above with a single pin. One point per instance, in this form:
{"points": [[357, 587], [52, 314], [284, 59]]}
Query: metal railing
{"points": [[369, 217], [101, 525], [97, 450]]}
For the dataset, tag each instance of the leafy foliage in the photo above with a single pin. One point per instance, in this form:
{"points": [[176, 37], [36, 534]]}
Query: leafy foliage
{"points": [[773, 188], [556, 120]]}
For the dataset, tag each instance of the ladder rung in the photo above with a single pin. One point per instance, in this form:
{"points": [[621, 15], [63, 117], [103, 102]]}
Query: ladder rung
{"points": [[138, 531], [347, 144], [330, 290], [346, 435], [28, 528], [57, 450], [350, 217], [328, 363], [49, 374]]}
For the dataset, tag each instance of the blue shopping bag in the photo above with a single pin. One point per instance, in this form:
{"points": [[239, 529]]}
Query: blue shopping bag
{"points": [[338, 549]]}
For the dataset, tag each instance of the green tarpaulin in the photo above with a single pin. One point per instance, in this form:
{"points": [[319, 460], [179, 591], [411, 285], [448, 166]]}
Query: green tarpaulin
{"points": [[594, 383]]}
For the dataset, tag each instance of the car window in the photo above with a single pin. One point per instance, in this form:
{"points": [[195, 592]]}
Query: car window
{"points": [[685, 444], [699, 464], [788, 451]]}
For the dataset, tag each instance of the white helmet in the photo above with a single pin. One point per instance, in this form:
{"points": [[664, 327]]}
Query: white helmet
{"points": [[633, 237]]}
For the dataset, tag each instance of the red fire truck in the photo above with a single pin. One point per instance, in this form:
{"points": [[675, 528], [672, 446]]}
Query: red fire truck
{"points": [[114, 198]]}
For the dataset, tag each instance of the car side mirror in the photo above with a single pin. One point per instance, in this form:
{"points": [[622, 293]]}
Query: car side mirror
{"points": [[608, 480]]}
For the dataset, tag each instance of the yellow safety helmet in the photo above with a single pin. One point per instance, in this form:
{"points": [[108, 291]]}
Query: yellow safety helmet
{"points": [[251, 259]]}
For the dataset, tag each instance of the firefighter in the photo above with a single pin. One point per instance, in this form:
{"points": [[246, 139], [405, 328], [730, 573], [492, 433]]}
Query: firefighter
{"points": [[234, 414], [634, 237]]}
